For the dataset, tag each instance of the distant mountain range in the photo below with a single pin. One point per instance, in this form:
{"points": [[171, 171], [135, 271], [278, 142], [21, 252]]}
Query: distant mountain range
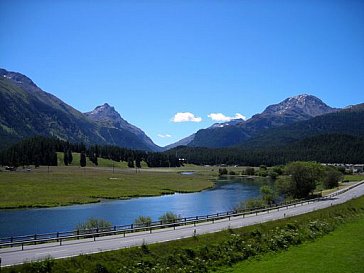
{"points": [[289, 111], [26, 110]]}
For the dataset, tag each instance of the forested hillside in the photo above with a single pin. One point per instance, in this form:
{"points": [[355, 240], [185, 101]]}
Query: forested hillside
{"points": [[329, 148], [348, 121], [43, 151]]}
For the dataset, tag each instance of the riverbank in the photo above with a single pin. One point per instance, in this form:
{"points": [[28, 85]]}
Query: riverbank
{"points": [[205, 253], [61, 186]]}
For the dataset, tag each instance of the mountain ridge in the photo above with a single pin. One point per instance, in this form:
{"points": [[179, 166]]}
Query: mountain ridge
{"points": [[291, 110], [28, 111]]}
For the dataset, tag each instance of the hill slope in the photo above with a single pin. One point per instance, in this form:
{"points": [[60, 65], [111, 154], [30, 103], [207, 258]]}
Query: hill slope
{"points": [[27, 111], [348, 121]]}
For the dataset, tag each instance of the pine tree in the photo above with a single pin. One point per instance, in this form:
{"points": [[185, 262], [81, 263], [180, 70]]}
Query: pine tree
{"points": [[65, 158], [70, 157], [130, 162], [83, 159]]}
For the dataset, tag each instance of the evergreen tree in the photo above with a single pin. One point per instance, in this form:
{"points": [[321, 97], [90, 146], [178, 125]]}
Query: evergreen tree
{"points": [[137, 162], [70, 156], [83, 159], [65, 158], [130, 162]]}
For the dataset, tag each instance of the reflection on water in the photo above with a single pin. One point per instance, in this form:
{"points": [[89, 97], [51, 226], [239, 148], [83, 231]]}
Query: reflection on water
{"points": [[223, 197]]}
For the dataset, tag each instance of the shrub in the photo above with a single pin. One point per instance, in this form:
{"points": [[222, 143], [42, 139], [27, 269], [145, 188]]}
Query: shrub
{"points": [[223, 171], [169, 217], [143, 221], [249, 171], [93, 224]]}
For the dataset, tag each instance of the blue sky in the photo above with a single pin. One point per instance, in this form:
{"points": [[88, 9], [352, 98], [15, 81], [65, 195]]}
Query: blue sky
{"points": [[154, 59]]}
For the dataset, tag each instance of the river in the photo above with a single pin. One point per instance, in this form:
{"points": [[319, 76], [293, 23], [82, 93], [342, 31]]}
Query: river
{"points": [[223, 197]]}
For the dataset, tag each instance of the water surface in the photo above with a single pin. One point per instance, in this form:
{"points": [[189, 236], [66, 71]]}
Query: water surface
{"points": [[225, 196]]}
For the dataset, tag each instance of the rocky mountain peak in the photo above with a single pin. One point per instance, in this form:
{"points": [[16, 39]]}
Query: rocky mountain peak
{"points": [[20, 80], [104, 112], [305, 105]]}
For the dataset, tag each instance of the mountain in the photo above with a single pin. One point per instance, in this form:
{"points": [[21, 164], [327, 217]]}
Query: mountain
{"points": [[28, 111], [289, 111], [107, 117], [349, 121], [183, 142]]}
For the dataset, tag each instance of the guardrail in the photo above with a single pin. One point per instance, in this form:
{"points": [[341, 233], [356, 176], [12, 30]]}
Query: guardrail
{"points": [[60, 237]]}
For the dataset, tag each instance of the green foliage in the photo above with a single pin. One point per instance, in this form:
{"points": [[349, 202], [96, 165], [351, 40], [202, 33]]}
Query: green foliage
{"points": [[143, 221], [83, 159], [33, 151], [268, 194], [331, 178], [250, 204], [94, 223], [69, 156], [42, 151], [168, 217], [231, 172], [272, 174], [65, 158], [328, 148], [284, 185], [262, 173], [130, 162], [41, 266], [223, 171], [250, 171], [304, 176]]}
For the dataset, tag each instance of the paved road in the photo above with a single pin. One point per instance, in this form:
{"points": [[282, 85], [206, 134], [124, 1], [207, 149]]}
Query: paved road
{"points": [[11, 256]]}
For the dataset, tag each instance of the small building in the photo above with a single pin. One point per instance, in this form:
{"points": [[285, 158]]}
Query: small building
{"points": [[358, 168]]}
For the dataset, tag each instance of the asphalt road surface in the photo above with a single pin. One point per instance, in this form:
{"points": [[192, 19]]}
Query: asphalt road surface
{"points": [[15, 255]]}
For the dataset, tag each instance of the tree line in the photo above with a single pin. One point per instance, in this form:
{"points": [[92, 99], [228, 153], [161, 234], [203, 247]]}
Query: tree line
{"points": [[41, 150], [328, 148]]}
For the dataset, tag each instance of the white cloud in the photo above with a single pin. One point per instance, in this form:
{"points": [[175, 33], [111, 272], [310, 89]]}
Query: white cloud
{"points": [[222, 117], [186, 117], [164, 135]]}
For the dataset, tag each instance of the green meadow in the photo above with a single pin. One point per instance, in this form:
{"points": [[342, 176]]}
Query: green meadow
{"points": [[65, 185], [337, 252]]}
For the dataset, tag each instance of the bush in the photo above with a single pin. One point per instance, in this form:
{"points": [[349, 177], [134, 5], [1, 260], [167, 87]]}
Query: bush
{"points": [[143, 221], [249, 171], [42, 266], [93, 224], [169, 217], [272, 174], [331, 178], [250, 204], [223, 171]]}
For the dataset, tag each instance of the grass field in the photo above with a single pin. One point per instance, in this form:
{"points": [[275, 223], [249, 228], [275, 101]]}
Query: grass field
{"points": [[65, 185], [74, 185], [337, 252], [356, 177]]}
